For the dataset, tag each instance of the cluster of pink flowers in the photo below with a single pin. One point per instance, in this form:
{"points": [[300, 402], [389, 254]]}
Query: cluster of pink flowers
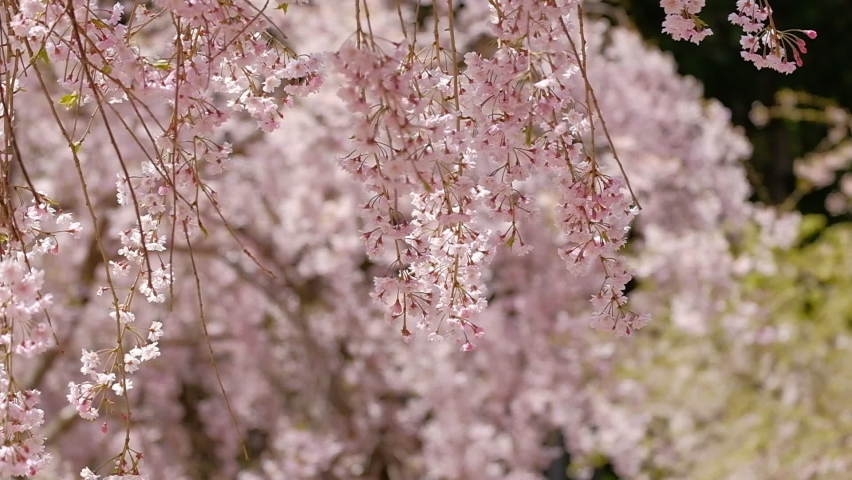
{"points": [[166, 103], [28, 235], [763, 44], [446, 155], [213, 196], [682, 21], [22, 452], [87, 474], [411, 151]]}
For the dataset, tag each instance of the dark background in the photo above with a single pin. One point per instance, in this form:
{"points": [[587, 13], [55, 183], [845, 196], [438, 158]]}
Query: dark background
{"points": [[726, 76]]}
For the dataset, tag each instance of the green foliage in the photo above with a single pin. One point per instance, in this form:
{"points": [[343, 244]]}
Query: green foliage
{"points": [[765, 393], [69, 100]]}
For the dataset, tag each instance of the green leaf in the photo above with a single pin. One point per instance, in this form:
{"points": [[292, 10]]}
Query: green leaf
{"points": [[99, 23], [70, 100], [49, 201], [75, 147], [42, 55], [283, 7], [161, 64], [811, 226]]}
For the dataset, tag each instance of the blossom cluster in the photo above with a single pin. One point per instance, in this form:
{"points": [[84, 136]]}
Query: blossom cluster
{"points": [[682, 21], [160, 109], [27, 233], [763, 43], [446, 154], [207, 159]]}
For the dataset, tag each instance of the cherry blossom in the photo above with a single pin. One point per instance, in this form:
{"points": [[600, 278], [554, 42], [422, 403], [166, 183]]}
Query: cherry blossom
{"points": [[762, 43], [247, 195]]}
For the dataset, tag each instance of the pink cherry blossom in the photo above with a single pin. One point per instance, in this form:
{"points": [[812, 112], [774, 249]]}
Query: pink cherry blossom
{"points": [[252, 202]]}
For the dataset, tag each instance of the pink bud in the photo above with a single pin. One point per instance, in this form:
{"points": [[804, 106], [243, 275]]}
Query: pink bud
{"points": [[468, 347], [104, 427], [811, 34]]}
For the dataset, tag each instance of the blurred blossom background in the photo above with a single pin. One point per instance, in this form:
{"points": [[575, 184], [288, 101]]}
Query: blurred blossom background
{"points": [[742, 255]]}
